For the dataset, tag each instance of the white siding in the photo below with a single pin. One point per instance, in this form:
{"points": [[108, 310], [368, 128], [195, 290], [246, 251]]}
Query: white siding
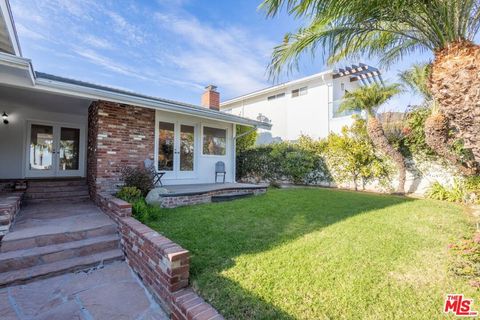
{"points": [[309, 114]]}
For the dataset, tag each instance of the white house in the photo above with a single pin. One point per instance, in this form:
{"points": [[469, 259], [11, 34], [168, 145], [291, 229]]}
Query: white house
{"points": [[307, 106], [58, 127]]}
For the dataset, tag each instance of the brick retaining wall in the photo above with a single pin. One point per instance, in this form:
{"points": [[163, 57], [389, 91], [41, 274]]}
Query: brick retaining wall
{"points": [[9, 207], [186, 200], [162, 264]]}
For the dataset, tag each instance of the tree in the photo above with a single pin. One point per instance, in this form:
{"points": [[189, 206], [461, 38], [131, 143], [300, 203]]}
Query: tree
{"points": [[369, 99], [438, 133], [390, 30], [350, 156]]}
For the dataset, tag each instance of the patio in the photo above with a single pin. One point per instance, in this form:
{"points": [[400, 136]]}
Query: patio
{"points": [[190, 194]]}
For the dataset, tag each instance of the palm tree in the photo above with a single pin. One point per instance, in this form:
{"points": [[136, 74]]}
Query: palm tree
{"points": [[369, 99], [390, 30], [437, 128]]}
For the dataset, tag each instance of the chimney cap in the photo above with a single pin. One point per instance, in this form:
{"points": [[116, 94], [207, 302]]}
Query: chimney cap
{"points": [[211, 87]]}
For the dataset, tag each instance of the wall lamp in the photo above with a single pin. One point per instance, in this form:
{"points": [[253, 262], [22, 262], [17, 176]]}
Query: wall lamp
{"points": [[5, 118]]}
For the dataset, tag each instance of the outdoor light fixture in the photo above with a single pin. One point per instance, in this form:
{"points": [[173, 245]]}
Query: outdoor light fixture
{"points": [[5, 118]]}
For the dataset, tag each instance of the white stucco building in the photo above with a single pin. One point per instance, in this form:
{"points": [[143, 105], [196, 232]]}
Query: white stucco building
{"points": [[307, 106]]}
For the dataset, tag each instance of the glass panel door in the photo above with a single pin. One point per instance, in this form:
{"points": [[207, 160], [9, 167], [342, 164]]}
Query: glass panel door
{"points": [[55, 151], [69, 152], [166, 146], [41, 149], [187, 148]]}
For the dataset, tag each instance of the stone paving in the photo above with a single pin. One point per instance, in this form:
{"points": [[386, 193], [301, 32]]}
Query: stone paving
{"points": [[112, 292]]}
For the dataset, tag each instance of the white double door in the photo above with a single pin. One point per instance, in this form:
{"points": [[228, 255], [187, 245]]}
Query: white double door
{"points": [[55, 150], [177, 149]]}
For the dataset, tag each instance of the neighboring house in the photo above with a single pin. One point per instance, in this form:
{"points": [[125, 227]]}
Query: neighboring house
{"points": [[59, 127], [307, 106]]}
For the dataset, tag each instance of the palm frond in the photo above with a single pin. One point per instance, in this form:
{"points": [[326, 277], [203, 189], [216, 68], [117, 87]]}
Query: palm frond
{"points": [[389, 29], [369, 98]]}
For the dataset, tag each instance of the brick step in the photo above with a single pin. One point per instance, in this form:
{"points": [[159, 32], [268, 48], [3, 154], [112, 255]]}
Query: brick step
{"points": [[20, 259], [59, 267], [230, 196], [68, 199], [55, 195], [43, 189], [56, 238], [56, 183]]}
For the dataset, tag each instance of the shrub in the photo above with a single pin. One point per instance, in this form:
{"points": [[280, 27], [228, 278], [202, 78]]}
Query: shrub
{"points": [[129, 194], [463, 190], [351, 157], [280, 161], [138, 177]]}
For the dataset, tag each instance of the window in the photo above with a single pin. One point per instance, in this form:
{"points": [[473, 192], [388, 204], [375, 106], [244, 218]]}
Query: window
{"points": [[214, 141], [299, 92], [276, 96]]}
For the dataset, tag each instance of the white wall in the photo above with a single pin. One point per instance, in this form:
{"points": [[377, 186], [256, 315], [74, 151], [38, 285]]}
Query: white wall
{"points": [[13, 138], [204, 164], [291, 117]]}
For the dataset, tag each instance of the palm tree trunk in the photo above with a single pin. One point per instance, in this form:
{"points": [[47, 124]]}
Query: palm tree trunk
{"points": [[455, 85], [377, 135], [437, 137]]}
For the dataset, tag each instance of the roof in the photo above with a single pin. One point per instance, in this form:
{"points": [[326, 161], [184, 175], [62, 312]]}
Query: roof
{"points": [[277, 87], [8, 34], [72, 87]]}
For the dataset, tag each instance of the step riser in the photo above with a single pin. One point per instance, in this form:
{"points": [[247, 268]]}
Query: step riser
{"points": [[58, 183], [45, 240], [30, 261], [60, 194], [69, 199], [31, 190], [46, 272]]}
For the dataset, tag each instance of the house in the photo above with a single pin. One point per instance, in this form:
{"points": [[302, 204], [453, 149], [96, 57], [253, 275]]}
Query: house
{"points": [[306, 106], [57, 127]]}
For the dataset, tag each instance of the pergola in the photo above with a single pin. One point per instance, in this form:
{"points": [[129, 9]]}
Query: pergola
{"points": [[364, 73]]}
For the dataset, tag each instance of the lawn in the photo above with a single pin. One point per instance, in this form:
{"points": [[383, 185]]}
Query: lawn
{"points": [[320, 254]]}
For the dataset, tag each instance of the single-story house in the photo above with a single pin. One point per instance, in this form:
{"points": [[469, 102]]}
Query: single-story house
{"points": [[58, 127]]}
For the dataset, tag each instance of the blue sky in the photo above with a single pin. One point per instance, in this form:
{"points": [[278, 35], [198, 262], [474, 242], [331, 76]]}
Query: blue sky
{"points": [[165, 48]]}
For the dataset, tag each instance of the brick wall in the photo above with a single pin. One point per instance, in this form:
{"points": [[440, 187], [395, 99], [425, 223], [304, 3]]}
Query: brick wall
{"points": [[9, 207], [118, 135], [162, 264], [173, 201]]}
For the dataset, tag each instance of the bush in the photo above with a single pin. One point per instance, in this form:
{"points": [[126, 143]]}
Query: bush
{"points": [[351, 157], [463, 190], [129, 194], [138, 177], [281, 161]]}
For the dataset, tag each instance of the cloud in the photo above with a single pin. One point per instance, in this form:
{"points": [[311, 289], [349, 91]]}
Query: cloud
{"points": [[230, 57], [131, 33], [97, 42]]}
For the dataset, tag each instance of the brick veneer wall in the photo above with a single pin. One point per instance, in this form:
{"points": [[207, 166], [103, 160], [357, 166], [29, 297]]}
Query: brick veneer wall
{"points": [[162, 264], [9, 207], [118, 135], [187, 200]]}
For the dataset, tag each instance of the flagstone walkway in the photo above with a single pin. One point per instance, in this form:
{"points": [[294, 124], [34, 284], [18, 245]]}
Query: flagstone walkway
{"points": [[111, 292]]}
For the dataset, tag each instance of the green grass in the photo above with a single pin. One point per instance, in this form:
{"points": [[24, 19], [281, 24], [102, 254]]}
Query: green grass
{"points": [[320, 254]]}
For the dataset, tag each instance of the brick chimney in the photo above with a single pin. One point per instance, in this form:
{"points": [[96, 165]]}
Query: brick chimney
{"points": [[211, 98]]}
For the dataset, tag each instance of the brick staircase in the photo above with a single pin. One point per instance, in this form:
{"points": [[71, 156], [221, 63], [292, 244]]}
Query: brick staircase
{"points": [[65, 189], [57, 232]]}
